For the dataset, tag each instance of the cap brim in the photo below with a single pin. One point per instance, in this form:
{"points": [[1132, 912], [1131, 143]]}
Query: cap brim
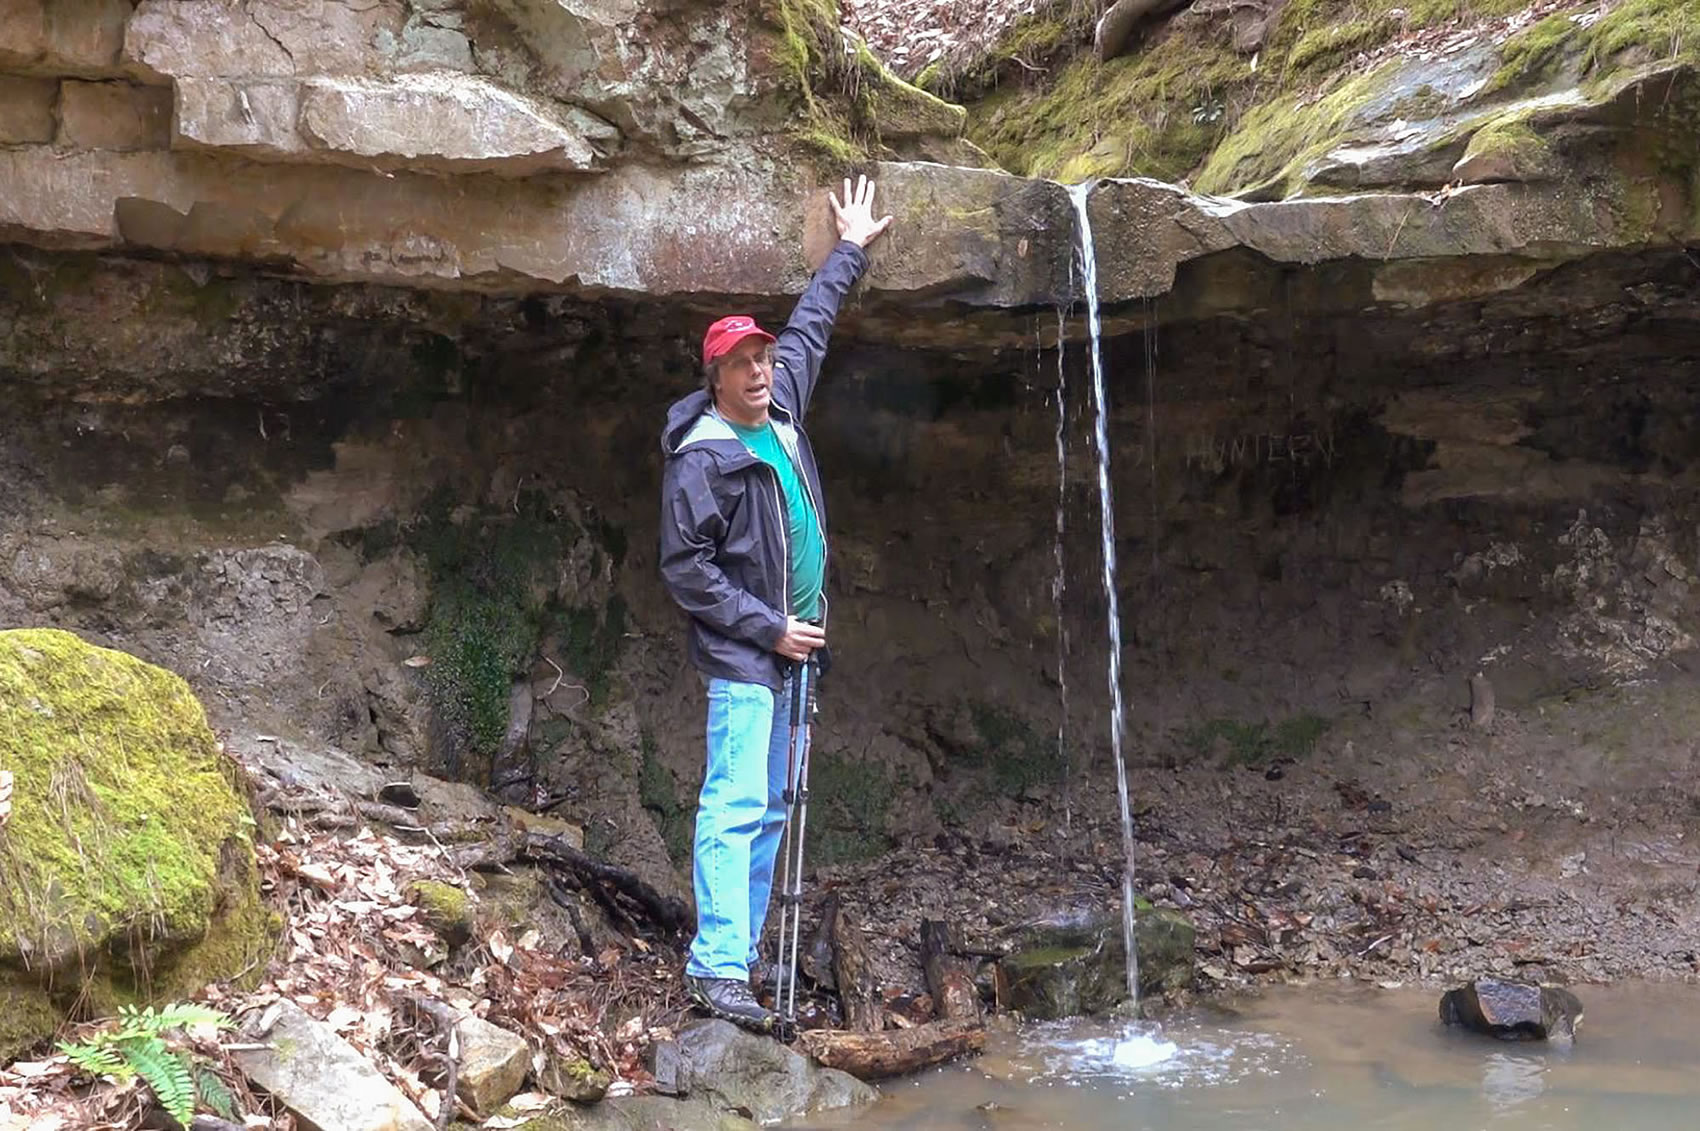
{"points": [[730, 344]]}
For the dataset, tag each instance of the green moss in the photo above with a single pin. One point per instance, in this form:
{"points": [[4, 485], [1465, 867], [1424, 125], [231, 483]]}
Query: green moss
{"points": [[28, 1017], [658, 792], [510, 899], [1186, 105], [176, 293], [446, 908], [1424, 102], [1270, 146], [848, 105], [1513, 140], [1016, 754], [1631, 33], [1331, 45], [1154, 114], [849, 801], [1533, 54], [128, 856], [895, 109], [1253, 743], [1649, 30], [492, 586], [591, 640]]}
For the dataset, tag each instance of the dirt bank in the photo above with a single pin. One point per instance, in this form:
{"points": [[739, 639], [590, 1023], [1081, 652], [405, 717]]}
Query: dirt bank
{"points": [[1412, 846]]}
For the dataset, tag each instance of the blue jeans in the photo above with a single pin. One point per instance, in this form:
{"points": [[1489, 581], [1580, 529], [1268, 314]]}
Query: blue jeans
{"points": [[740, 819]]}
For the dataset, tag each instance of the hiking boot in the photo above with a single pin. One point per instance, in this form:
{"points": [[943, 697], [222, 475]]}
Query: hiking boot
{"points": [[769, 977], [730, 1000]]}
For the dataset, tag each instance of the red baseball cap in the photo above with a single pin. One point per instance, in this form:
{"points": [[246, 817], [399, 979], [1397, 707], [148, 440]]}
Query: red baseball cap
{"points": [[728, 332]]}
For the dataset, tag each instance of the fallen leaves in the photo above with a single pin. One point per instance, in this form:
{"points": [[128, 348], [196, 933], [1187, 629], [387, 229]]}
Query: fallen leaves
{"points": [[909, 34], [356, 954]]}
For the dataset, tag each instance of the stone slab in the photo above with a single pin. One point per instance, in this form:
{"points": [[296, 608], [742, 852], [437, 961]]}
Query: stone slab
{"points": [[114, 115], [26, 110], [323, 1079], [82, 37]]}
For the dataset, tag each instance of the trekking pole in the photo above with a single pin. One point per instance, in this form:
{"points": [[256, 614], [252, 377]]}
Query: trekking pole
{"points": [[790, 913], [804, 707]]}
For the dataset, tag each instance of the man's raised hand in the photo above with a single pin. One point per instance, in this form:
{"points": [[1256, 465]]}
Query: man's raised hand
{"points": [[800, 637], [855, 216]]}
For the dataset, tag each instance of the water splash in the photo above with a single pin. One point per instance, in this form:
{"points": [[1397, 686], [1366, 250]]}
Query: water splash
{"points": [[1089, 273]]}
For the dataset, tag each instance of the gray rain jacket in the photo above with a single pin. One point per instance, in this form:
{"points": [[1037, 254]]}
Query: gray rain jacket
{"points": [[724, 557]]}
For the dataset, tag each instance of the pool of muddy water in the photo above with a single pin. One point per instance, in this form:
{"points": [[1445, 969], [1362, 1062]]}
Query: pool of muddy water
{"points": [[1317, 1059]]}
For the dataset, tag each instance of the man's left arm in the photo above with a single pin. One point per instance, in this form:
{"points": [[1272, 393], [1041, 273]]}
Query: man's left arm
{"points": [[802, 344]]}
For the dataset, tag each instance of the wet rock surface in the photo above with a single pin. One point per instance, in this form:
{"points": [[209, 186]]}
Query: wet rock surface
{"points": [[1074, 964], [1512, 1011]]}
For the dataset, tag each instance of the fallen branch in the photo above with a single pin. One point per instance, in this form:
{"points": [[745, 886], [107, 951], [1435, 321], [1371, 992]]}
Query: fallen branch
{"points": [[448, 1022], [875, 1056], [607, 881]]}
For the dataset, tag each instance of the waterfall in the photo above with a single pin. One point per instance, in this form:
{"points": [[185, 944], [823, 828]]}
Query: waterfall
{"points": [[1089, 278]]}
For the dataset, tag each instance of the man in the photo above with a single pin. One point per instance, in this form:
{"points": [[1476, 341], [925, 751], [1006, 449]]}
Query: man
{"points": [[743, 551]]}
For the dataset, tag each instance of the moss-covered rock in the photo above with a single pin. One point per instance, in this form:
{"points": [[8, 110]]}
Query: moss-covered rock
{"points": [[444, 908], [1506, 149], [1328, 79], [128, 858], [1078, 966], [848, 106]]}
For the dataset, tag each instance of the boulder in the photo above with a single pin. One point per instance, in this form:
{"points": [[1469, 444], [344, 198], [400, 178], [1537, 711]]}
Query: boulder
{"points": [[1512, 1011], [128, 857], [321, 1077], [739, 1071], [1075, 963], [716, 1078]]}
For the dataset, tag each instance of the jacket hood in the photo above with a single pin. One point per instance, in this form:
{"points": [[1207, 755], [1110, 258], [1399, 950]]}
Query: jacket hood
{"points": [[691, 422]]}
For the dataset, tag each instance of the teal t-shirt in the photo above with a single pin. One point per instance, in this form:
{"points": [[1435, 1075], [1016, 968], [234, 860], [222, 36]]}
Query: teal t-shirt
{"points": [[803, 533]]}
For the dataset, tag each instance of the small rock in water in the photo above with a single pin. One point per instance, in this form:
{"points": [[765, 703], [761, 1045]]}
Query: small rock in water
{"points": [[1512, 1011]]}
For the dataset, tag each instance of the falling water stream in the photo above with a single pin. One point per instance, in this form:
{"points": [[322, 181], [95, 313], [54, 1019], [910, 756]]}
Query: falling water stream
{"points": [[1089, 279]]}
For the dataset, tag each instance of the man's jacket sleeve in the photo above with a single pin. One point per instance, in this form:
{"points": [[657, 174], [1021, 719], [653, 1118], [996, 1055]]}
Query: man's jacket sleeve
{"points": [[802, 344], [691, 526]]}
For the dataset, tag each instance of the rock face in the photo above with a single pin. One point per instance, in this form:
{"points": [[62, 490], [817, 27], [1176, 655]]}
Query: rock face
{"points": [[128, 858], [1077, 964], [517, 147], [1512, 1011]]}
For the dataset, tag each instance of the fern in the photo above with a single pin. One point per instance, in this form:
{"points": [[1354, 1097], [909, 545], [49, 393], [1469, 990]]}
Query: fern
{"points": [[98, 1060], [214, 1093], [165, 1073], [137, 1047]]}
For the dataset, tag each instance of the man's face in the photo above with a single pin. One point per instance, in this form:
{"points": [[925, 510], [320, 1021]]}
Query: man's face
{"points": [[744, 390]]}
